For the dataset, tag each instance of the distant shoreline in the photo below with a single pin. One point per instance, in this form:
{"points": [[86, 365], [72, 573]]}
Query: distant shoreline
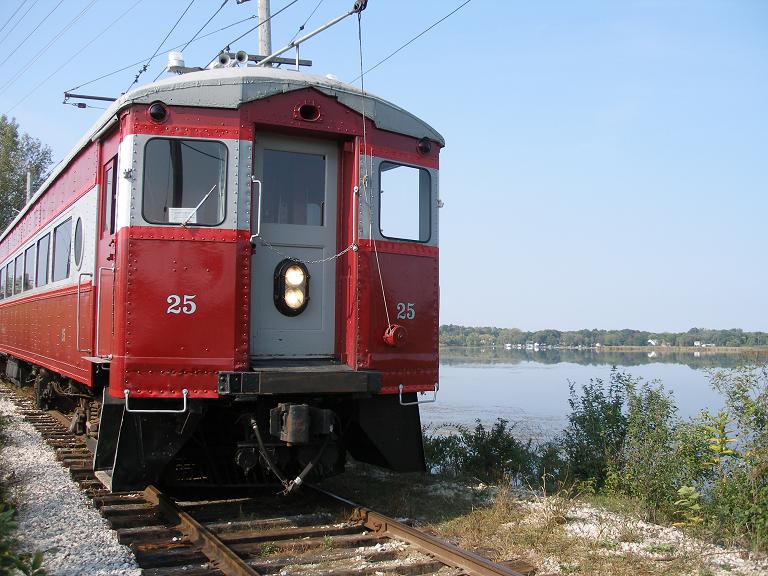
{"points": [[657, 349]]}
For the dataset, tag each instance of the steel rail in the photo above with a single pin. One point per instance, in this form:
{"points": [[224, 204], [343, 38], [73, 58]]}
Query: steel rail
{"points": [[473, 564], [219, 553]]}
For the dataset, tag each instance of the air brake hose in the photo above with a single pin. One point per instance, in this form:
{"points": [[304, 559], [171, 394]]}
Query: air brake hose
{"points": [[265, 455]]}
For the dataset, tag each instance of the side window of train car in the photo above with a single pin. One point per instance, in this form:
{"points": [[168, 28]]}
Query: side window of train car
{"points": [[184, 182], [9, 280], [2, 283], [62, 238], [19, 281], [110, 196], [29, 268], [43, 246], [404, 202]]}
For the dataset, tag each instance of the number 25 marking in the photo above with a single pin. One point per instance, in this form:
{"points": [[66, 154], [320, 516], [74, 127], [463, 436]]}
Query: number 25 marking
{"points": [[406, 311], [176, 301]]}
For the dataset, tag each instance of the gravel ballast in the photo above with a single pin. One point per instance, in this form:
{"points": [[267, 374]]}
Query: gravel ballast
{"points": [[53, 516]]}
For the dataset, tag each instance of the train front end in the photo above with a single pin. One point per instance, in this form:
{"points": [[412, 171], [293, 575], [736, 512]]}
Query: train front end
{"points": [[268, 294]]}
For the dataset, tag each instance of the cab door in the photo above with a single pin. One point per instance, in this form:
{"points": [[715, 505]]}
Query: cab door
{"points": [[296, 191]]}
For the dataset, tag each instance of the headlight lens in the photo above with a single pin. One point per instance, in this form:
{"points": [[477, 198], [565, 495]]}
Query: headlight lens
{"points": [[294, 276], [291, 292], [294, 298]]}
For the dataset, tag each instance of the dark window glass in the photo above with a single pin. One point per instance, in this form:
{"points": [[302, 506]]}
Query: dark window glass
{"points": [[294, 188], [29, 268], [78, 244], [405, 207], [43, 246], [110, 196], [2, 283], [9, 280], [185, 182], [62, 237], [19, 277]]}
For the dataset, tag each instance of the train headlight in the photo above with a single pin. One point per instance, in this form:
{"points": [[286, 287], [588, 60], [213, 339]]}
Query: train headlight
{"points": [[291, 287]]}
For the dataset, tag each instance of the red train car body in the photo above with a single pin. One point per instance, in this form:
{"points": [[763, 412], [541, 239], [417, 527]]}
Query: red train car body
{"points": [[241, 265]]}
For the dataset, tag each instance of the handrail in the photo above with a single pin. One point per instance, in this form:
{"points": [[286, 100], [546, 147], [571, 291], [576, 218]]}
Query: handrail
{"points": [[434, 398], [185, 392], [258, 218], [98, 311], [77, 323]]}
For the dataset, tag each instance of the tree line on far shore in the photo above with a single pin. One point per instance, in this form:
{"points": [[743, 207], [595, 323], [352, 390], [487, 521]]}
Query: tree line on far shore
{"points": [[453, 335]]}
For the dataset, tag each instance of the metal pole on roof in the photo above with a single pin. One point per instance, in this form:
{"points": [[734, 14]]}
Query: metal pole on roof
{"points": [[265, 30]]}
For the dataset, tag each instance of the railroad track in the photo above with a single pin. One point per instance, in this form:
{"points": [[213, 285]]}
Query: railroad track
{"points": [[261, 534]]}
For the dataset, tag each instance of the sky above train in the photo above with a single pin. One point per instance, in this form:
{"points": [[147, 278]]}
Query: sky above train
{"points": [[606, 162]]}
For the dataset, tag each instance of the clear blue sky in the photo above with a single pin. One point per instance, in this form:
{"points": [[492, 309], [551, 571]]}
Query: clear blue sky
{"points": [[606, 162]]}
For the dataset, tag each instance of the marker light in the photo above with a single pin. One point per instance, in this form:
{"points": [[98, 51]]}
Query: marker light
{"points": [[291, 287]]}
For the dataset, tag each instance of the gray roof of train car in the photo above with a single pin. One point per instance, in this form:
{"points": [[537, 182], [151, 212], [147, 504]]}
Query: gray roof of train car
{"points": [[232, 87]]}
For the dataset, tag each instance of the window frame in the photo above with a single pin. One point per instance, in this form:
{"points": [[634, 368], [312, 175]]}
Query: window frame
{"points": [[224, 197]]}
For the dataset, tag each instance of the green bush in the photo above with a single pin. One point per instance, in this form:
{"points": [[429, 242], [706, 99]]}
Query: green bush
{"points": [[597, 425], [737, 503], [487, 454]]}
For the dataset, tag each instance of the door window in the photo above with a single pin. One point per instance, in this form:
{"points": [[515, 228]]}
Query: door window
{"points": [[294, 188]]}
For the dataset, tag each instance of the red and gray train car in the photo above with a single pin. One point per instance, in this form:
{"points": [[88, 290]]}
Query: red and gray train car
{"points": [[234, 274]]}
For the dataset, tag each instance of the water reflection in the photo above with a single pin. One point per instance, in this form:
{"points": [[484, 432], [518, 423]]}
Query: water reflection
{"points": [[699, 359], [530, 388]]}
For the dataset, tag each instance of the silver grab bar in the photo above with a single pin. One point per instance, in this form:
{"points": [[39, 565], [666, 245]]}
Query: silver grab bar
{"points": [[98, 310], [434, 398], [185, 392], [258, 218], [77, 323]]}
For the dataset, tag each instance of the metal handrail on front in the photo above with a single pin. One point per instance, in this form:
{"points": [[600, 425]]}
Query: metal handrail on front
{"points": [[98, 311], [77, 323], [185, 392], [434, 398]]}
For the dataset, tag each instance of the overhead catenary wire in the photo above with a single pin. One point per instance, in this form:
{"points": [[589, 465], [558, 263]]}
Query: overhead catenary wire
{"points": [[124, 68], [197, 33], [28, 64], [31, 5], [412, 40], [12, 15], [28, 36], [75, 55], [159, 46], [301, 28]]}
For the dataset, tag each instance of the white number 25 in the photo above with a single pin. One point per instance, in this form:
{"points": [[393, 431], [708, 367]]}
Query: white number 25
{"points": [[176, 302], [406, 311]]}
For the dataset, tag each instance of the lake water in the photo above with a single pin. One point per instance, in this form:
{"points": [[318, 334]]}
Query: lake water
{"points": [[530, 388]]}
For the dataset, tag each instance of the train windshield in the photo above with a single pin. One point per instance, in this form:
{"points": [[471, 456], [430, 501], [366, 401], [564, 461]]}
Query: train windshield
{"points": [[185, 182]]}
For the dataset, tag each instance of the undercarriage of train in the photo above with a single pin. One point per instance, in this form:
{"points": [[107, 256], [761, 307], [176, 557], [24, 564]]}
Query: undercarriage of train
{"points": [[233, 441]]}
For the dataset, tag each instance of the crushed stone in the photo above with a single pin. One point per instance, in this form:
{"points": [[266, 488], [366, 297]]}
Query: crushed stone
{"points": [[53, 516]]}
